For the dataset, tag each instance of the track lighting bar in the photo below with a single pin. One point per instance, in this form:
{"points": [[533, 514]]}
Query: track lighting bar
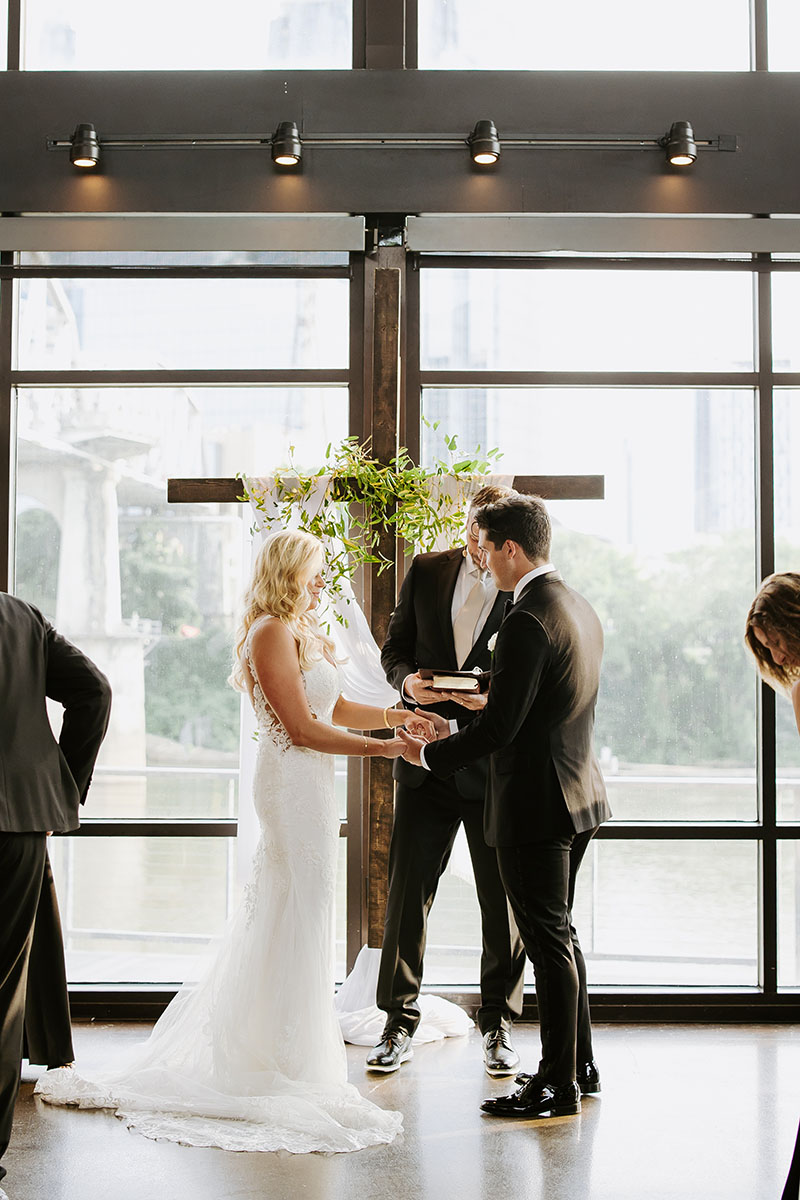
{"points": [[680, 144]]}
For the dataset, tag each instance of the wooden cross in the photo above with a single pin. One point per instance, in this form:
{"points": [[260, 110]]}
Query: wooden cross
{"points": [[385, 395]]}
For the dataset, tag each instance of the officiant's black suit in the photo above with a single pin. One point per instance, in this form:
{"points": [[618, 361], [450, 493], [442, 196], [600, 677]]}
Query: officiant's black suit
{"points": [[42, 783], [428, 812], [546, 794]]}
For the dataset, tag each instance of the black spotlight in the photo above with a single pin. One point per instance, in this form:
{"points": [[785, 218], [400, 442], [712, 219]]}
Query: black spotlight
{"points": [[680, 144], [484, 144], [287, 149], [85, 149]]}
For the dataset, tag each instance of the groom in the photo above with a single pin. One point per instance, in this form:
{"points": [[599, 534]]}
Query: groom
{"points": [[546, 795]]}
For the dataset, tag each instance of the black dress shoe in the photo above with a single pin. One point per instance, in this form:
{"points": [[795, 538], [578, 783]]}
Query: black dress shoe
{"points": [[391, 1052], [536, 1098], [588, 1078], [587, 1075], [499, 1056]]}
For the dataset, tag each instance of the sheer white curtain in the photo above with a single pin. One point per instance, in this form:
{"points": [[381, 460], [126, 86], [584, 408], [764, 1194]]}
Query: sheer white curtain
{"points": [[363, 681]]}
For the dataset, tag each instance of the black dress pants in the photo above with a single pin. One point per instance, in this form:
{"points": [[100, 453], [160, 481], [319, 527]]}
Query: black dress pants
{"points": [[426, 820], [48, 1026], [791, 1189], [539, 879], [22, 859]]}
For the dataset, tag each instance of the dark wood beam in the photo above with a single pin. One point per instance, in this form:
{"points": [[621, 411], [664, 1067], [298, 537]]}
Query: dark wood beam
{"points": [[550, 487], [385, 419]]}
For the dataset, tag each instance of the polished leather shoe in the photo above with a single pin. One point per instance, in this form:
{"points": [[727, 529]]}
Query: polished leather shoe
{"points": [[499, 1056], [390, 1053], [536, 1098], [587, 1076]]}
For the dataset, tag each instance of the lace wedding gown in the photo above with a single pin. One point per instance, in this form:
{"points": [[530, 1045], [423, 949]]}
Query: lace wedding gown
{"points": [[251, 1058]]}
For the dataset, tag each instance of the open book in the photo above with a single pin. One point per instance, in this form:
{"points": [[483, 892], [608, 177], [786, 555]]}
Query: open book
{"points": [[455, 681]]}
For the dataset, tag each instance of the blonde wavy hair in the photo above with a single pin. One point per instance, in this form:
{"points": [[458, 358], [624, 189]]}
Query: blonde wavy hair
{"points": [[286, 563], [776, 610]]}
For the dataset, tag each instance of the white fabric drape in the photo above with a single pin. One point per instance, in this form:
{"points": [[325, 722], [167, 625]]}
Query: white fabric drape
{"points": [[364, 683]]}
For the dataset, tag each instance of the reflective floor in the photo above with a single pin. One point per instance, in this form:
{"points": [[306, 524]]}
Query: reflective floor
{"points": [[705, 1112]]}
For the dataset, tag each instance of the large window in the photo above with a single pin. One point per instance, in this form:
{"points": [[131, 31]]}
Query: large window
{"points": [[151, 590], [646, 376], [619, 35], [88, 35]]}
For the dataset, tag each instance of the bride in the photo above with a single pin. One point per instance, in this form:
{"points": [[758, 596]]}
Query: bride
{"points": [[251, 1058]]}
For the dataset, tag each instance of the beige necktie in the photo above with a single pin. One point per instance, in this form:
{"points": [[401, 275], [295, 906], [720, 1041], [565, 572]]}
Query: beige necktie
{"points": [[466, 619]]}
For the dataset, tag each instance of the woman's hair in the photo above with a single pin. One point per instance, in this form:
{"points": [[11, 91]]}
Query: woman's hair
{"points": [[287, 561], [776, 610]]}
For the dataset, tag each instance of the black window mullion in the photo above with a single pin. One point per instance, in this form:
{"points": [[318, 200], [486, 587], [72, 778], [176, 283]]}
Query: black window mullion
{"points": [[7, 441], [765, 563]]}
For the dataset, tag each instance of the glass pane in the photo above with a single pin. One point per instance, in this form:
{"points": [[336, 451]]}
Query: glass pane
{"points": [[667, 561], [618, 35], [669, 913], [184, 258], [151, 590], [193, 323], [86, 35], [647, 914], [784, 35], [786, 443], [789, 909], [559, 320], [144, 909], [785, 332]]}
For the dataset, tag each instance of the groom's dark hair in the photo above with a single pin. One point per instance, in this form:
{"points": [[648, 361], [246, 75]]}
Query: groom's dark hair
{"points": [[520, 519]]}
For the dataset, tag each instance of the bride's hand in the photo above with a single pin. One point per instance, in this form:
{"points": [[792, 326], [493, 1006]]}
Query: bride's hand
{"points": [[440, 726], [421, 726], [392, 747]]}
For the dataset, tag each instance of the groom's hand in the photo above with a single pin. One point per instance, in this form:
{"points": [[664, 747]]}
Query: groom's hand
{"points": [[413, 747], [440, 725]]}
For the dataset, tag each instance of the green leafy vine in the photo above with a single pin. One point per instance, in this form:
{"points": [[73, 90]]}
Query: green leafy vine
{"points": [[368, 497]]}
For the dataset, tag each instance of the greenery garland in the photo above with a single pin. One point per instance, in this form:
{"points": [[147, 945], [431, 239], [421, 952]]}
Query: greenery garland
{"points": [[367, 497]]}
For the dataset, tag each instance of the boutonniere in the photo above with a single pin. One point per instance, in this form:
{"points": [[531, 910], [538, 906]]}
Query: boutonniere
{"points": [[492, 642]]}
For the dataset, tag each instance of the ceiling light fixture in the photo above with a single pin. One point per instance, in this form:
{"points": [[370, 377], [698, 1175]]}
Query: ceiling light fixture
{"points": [[484, 144], [84, 148], [287, 149]]}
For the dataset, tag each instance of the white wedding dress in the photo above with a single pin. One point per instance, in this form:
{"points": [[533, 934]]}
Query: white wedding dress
{"points": [[252, 1058]]}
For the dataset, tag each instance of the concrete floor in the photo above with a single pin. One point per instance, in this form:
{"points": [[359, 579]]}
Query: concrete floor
{"points": [[686, 1113]]}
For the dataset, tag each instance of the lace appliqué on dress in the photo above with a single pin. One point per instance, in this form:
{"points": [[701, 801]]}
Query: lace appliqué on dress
{"points": [[268, 722]]}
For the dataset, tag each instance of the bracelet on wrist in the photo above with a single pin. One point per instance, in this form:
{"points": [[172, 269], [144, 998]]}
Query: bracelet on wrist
{"points": [[386, 716]]}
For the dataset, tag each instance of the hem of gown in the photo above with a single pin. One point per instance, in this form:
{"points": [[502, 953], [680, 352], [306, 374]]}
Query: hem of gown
{"points": [[236, 1134]]}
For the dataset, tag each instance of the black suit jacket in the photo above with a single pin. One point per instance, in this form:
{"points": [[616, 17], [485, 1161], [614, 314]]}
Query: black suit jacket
{"points": [[43, 781], [538, 724], [420, 634]]}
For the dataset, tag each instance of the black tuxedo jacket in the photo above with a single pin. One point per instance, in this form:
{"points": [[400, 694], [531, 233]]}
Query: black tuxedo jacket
{"points": [[538, 724], [420, 634], [43, 781]]}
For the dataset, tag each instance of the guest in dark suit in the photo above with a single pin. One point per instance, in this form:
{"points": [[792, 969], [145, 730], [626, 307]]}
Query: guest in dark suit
{"points": [[48, 1027], [447, 611], [546, 795], [42, 783]]}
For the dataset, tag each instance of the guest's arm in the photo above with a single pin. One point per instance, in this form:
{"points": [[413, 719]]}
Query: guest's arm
{"points": [[796, 703], [74, 681]]}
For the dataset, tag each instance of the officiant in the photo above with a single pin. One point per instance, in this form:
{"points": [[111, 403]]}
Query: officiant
{"points": [[447, 612]]}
